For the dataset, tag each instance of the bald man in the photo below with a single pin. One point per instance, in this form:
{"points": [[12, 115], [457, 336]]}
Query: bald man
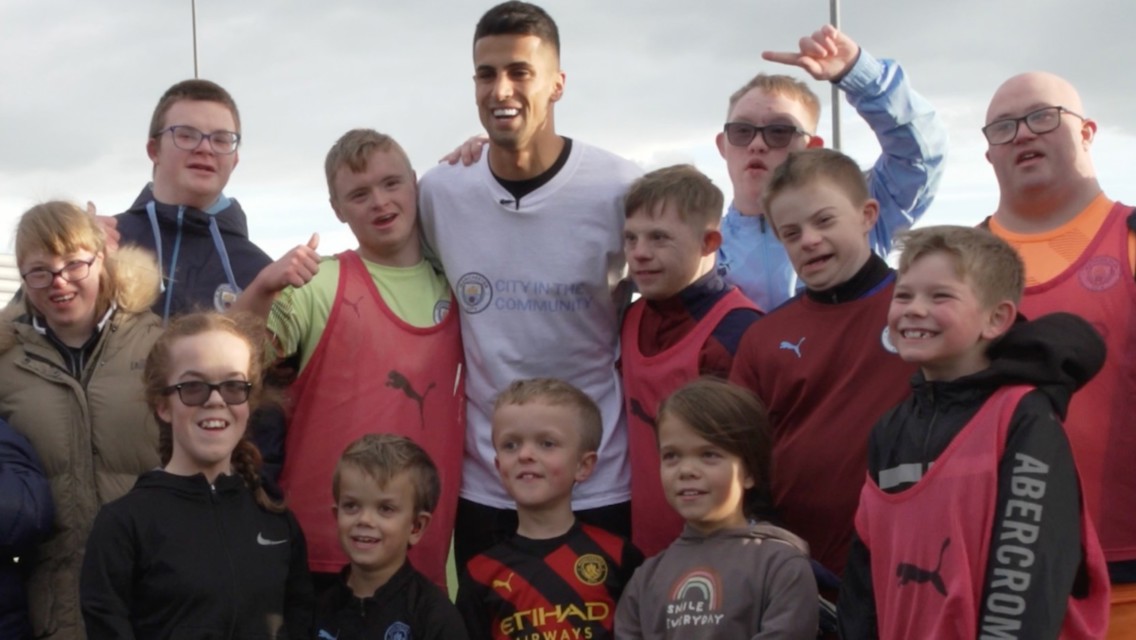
{"points": [[1079, 249]]}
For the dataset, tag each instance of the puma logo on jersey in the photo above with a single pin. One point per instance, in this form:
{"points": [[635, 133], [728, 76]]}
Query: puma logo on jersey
{"points": [[396, 380], [504, 584], [789, 346], [907, 572], [639, 412], [354, 305]]}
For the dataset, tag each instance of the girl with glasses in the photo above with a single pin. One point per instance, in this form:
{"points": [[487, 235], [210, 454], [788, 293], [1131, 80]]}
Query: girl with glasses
{"points": [[198, 548], [70, 356]]}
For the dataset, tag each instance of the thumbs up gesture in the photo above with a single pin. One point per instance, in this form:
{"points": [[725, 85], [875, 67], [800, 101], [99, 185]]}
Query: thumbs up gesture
{"points": [[296, 268]]}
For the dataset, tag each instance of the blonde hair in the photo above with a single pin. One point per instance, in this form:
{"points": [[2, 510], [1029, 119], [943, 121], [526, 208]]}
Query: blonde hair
{"points": [[382, 456], [558, 393], [780, 85], [733, 419], [994, 270], [695, 197], [354, 149], [60, 228], [245, 459]]}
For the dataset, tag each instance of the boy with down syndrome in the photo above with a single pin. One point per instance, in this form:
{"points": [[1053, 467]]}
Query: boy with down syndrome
{"points": [[971, 523], [822, 363], [688, 323], [379, 350], [774, 115]]}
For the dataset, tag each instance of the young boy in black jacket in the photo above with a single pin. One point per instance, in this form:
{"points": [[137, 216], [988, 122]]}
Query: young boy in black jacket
{"points": [[972, 523], [385, 488]]}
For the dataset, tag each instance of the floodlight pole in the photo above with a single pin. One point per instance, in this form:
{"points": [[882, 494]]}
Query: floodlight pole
{"points": [[193, 9], [834, 18]]}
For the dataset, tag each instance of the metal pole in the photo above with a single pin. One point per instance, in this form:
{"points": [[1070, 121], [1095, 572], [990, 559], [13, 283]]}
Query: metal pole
{"points": [[834, 18], [193, 8]]}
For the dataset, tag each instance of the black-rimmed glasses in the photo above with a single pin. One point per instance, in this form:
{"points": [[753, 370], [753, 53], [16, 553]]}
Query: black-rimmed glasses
{"points": [[74, 271], [188, 138], [776, 136], [196, 392], [1039, 121]]}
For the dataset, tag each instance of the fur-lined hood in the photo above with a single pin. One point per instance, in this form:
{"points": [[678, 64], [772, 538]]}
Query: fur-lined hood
{"points": [[136, 283]]}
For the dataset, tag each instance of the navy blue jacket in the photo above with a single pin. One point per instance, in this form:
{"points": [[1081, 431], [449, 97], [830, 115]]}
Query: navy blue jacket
{"points": [[201, 269], [26, 514]]}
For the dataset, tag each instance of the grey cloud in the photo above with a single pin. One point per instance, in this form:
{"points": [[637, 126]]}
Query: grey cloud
{"points": [[80, 79]]}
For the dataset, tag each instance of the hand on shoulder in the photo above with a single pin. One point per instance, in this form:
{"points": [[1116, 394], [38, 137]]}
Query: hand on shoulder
{"points": [[467, 152], [109, 225]]}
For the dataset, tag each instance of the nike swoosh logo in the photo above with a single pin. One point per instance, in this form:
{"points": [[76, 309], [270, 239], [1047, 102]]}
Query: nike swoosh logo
{"points": [[265, 542]]}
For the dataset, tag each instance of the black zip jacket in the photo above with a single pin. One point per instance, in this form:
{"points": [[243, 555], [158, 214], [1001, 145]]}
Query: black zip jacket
{"points": [[407, 606], [1058, 354], [193, 271], [179, 558]]}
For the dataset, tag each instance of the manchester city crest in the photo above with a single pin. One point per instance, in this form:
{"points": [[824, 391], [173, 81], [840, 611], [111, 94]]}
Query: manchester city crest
{"points": [[397, 631], [441, 310], [224, 296], [474, 292]]}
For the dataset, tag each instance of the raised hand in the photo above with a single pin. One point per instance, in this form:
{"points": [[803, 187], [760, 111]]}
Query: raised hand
{"points": [[827, 54]]}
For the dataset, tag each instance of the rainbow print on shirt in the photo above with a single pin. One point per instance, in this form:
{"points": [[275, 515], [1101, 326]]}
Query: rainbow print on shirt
{"points": [[695, 600]]}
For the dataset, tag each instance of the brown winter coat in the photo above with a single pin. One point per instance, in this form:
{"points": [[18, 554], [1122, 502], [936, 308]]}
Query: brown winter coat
{"points": [[94, 435]]}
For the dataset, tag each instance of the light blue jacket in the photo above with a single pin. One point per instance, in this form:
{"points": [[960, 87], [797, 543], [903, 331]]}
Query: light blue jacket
{"points": [[904, 180]]}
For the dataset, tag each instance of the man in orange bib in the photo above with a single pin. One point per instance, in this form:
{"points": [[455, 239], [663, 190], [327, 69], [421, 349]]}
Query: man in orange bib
{"points": [[1079, 251]]}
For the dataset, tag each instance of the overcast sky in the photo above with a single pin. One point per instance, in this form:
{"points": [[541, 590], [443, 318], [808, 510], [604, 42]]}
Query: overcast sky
{"points": [[648, 79]]}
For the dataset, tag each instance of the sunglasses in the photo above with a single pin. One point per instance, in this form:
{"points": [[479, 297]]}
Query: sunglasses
{"points": [[196, 392], [776, 136]]}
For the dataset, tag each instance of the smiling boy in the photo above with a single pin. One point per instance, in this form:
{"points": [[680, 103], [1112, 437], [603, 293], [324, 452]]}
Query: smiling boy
{"points": [[688, 323], [379, 350], [385, 489], [198, 233], [556, 577], [823, 362], [973, 499]]}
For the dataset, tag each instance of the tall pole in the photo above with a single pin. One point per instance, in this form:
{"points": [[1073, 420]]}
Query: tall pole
{"points": [[193, 9], [834, 18]]}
